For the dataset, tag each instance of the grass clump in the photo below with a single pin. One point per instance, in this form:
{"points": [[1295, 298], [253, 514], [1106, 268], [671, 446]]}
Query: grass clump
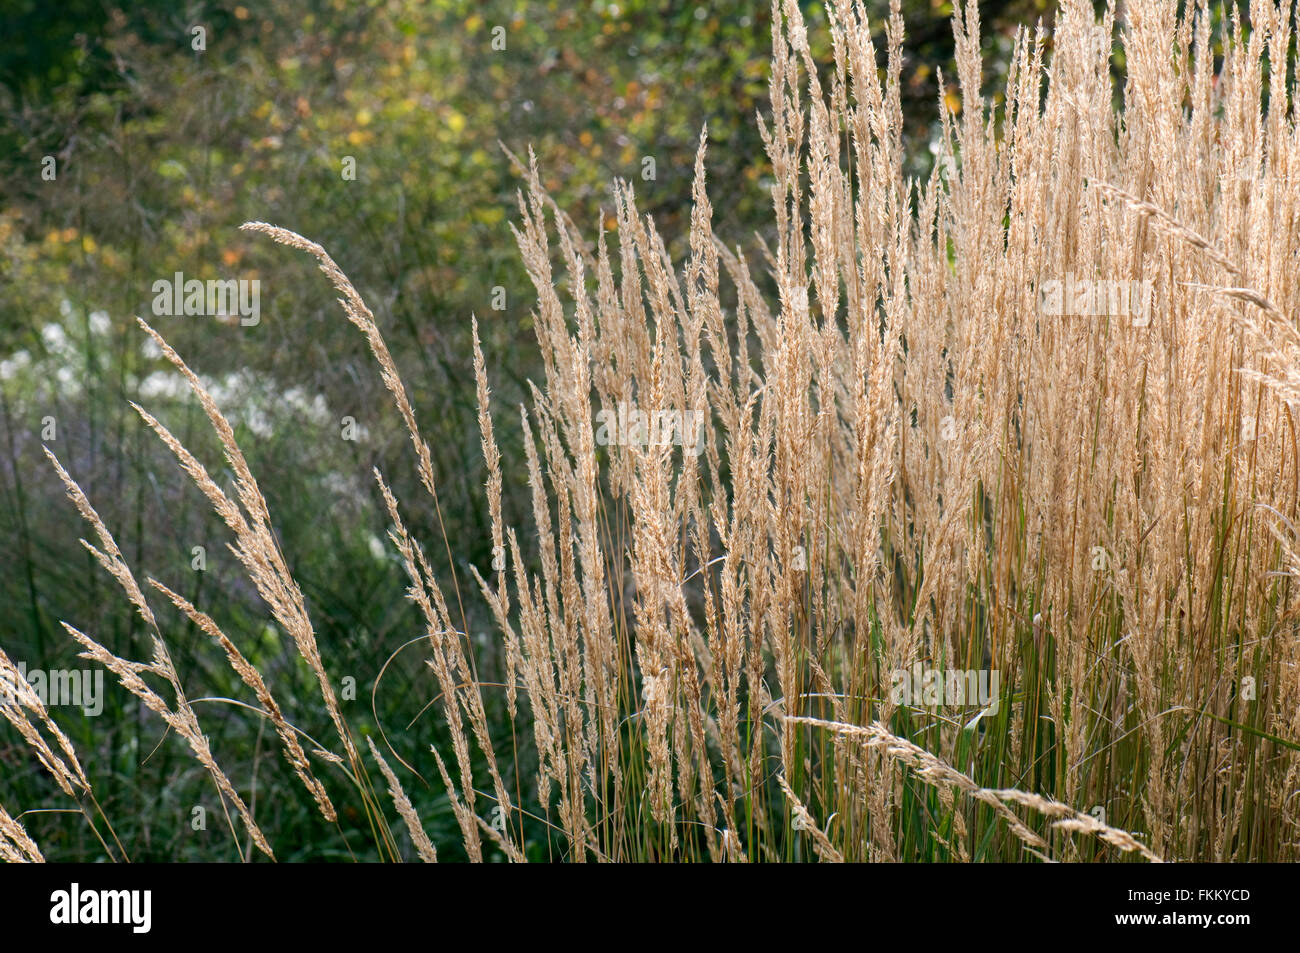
{"points": [[1030, 417]]}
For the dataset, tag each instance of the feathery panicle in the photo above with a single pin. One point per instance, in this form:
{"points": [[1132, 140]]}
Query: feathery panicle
{"points": [[424, 847]]}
